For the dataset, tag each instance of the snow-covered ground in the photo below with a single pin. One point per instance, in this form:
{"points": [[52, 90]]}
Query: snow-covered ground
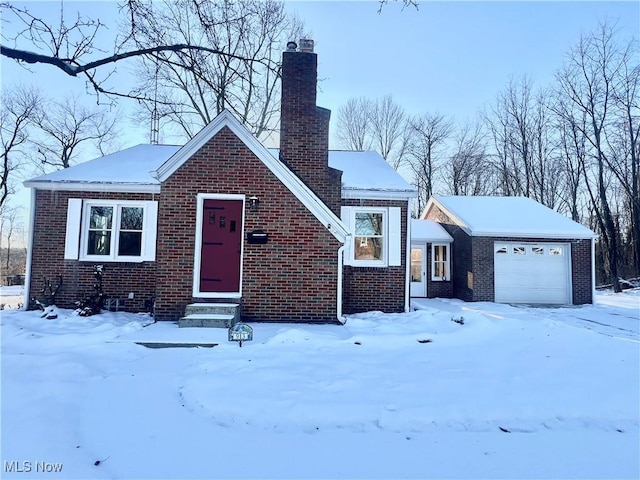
{"points": [[514, 392], [12, 297]]}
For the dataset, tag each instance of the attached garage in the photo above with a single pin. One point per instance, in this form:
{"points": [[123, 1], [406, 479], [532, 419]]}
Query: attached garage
{"points": [[537, 273], [515, 250]]}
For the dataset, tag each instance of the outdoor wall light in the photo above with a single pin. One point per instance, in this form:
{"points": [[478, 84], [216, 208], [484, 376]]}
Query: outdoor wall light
{"points": [[254, 202]]}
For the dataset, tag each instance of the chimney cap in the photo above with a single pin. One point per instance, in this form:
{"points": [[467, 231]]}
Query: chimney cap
{"points": [[306, 45], [292, 46]]}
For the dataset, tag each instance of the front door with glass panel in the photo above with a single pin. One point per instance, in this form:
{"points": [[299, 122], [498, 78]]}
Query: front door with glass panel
{"points": [[418, 271]]}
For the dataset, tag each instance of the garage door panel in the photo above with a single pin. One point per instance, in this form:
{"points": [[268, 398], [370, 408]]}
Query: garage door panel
{"points": [[552, 296], [532, 273]]}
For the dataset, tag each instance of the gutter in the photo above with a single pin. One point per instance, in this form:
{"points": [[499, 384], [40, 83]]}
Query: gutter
{"points": [[32, 222], [341, 318], [593, 270], [407, 261], [111, 187]]}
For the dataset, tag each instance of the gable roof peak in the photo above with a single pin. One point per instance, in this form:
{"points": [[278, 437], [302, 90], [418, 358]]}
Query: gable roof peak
{"points": [[296, 186]]}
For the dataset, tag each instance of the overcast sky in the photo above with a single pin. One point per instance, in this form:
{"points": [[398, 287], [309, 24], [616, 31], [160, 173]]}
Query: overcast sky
{"points": [[451, 57]]}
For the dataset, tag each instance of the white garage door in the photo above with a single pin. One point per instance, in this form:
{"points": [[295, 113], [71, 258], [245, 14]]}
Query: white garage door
{"points": [[532, 273]]}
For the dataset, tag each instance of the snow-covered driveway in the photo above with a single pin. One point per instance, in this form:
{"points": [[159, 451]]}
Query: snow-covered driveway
{"points": [[612, 315]]}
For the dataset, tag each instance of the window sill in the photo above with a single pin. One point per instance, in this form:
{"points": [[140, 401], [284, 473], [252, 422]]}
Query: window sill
{"points": [[112, 260], [363, 264]]}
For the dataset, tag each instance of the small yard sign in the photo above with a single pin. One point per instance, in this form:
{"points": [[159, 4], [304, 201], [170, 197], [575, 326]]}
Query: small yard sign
{"points": [[240, 332]]}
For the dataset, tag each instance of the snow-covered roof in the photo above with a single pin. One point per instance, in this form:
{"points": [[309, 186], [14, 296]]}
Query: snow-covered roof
{"points": [[429, 231], [143, 168], [508, 216], [131, 168], [366, 175]]}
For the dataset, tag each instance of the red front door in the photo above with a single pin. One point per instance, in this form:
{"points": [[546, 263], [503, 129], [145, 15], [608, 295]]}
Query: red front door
{"points": [[221, 246]]}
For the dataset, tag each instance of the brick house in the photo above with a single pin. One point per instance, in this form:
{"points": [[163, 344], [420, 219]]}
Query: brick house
{"points": [[299, 234], [501, 249]]}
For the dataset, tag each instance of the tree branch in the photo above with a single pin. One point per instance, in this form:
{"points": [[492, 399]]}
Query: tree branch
{"points": [[68, 67]]}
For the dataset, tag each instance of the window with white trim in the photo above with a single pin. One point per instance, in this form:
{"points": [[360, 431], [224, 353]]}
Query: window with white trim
{"points": [[375, 236], [440, 265], [109, 230], [369, 236]]}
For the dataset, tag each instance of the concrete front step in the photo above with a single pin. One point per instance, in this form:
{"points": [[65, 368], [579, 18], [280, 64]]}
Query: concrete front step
{"points": [[198, 308], [215, 315], [210, 320]]}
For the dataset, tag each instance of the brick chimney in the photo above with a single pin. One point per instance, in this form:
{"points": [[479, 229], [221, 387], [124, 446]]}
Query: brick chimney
{"points": [[304, 127]]}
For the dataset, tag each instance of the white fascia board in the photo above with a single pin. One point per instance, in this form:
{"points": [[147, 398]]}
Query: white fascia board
{"points": [[421, 240], [542, 235], [357, 193], [94, 187], [319, 210], [459, 221]]}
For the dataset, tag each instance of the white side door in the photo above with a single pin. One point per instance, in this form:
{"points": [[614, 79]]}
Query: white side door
{"points": [[419, 270]]}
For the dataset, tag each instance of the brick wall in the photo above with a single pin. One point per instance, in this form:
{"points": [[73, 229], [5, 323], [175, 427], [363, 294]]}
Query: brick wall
{"points": [[473, 258], [291, 278], [48, 261], [304, 129], [581, 259], [380, 289]]}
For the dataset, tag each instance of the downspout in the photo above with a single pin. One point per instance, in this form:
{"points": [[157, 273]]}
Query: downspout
{"points": [[593, 270], [32, 222], [341, 318], [407, 261]]}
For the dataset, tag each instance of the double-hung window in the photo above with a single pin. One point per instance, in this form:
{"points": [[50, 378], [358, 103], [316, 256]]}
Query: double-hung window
{"points": [[106, 230], [375, 236], [369, 236], [440, 265]]}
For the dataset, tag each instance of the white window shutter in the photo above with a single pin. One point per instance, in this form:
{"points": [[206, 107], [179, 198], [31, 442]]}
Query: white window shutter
{"points": [[395, 237], [150, 231], [72, 234], [345, 216]]}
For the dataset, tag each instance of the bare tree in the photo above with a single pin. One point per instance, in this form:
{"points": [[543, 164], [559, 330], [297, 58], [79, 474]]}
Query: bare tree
{"points": [[64, 127], [405, 3], [71, 45], [8, 226], [573, 153], [190, 88], [19, 106], [429, 133], [587, 82], [546, 158], [468, 171], [354, 124], [527, 160], [389, 131], [624, 144], [381, 125]]}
